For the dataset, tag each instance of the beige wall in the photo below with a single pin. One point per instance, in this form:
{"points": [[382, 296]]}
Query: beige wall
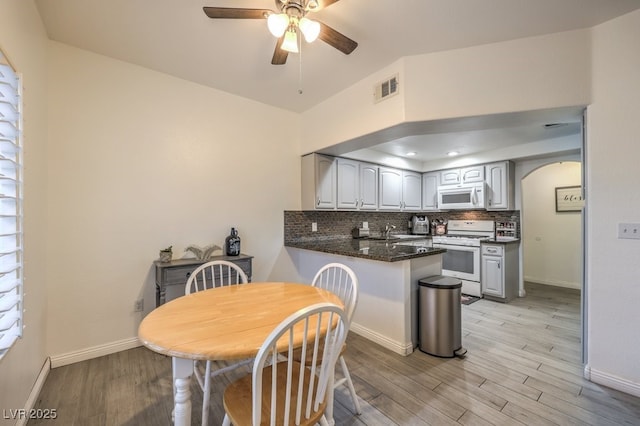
{"points": [[138, 161], [552, 241], [23, 40], [613, 197]]}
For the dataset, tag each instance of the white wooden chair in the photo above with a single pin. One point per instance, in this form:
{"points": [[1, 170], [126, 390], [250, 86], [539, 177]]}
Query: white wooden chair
{"points": [[282, 391], [217, 273], [341, 280]]}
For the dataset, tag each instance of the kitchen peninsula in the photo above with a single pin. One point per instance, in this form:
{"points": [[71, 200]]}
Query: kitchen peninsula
{"points": [[387, 271]]}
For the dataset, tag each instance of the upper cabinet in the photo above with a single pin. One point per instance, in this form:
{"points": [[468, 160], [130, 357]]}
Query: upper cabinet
{"points": [[463, 175], [430, 182], [357, 185], [319, 176], [500, 185], [399, 190]]}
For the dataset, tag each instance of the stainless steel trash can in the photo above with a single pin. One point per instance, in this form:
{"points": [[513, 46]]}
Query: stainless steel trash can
{"points": [[440, 322]]}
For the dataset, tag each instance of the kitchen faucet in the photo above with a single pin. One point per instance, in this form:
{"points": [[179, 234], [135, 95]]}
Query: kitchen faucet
{"points": [[387, 230]]}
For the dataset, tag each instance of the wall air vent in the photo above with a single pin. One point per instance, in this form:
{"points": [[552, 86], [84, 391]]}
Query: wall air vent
{"points": [[385, 89]]}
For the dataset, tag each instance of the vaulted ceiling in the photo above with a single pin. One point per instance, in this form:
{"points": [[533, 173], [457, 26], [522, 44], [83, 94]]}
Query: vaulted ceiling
{"points": [[234, 55]]}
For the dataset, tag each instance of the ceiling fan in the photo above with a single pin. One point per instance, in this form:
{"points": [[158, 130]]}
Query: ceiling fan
{"points": [[288, 24]]}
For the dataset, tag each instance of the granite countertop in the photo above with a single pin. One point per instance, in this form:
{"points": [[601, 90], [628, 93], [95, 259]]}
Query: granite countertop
{"points": [[501, 240], [386, 251]]}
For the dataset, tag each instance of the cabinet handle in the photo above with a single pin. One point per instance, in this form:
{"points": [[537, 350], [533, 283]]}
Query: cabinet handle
{"points": [[318, 202], [361, 202]]}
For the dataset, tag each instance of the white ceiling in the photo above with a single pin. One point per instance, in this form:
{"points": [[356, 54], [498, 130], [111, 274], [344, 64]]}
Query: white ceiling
{"points": [[176, 37]]}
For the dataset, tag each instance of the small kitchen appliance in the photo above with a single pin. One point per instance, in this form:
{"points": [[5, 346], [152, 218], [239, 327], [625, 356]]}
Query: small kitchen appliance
{"points": [[464, 196], [420, 225], [462, 258]]}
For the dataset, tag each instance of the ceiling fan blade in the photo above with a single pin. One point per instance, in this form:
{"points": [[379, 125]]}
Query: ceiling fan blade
{"points": [[279, 55], [235, 13], [336, 39]]}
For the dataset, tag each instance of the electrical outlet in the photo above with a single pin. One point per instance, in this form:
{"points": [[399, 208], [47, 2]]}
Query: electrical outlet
{"points": [[629, 231], [365, 225], [314, 227], [138, 305]]}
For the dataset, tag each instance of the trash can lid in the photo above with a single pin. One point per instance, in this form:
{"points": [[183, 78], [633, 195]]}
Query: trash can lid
{"points": [[440, 281]]}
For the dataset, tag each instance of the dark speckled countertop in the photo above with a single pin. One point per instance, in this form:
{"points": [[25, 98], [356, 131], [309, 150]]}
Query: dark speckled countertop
{"points": [[386, 251]]}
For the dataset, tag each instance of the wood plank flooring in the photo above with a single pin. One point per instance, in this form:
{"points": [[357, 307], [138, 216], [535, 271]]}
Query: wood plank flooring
{"points": [[523, 367]]}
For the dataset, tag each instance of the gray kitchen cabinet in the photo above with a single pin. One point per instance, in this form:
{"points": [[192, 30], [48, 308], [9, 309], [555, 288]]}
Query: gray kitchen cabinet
{"points": [[399, 190], [499, 271], [430, 182], [319, 187], [462, 175], [368, 186], [174, 274], [348, 184], [500, 185], [411, 191]]}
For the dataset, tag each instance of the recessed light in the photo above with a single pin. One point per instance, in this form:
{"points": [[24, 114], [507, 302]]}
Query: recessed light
{"points": [[452, 153], [411, 154]]}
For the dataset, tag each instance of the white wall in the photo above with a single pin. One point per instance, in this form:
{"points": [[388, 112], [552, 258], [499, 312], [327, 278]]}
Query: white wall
{"points": [[23, 40], [138, 161], [552, 241], [519, 75], [612, 179]]}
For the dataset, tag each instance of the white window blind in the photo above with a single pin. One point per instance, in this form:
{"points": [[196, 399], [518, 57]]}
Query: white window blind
{"points": [[11, 291]]}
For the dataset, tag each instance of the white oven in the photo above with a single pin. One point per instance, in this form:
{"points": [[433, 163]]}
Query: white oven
{"points": [[462, 258], [461, 262]]}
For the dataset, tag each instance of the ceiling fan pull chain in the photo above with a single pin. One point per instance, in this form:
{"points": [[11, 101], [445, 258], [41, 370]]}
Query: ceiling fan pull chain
{"points": [[300, 65]]}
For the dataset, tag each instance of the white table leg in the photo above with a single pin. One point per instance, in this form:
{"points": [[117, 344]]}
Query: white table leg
{"points": [[182, 370]]}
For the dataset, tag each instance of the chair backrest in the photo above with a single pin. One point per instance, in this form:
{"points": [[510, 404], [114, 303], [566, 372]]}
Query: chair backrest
{"points": [[217, 273], [322, 328], [341, 280]]}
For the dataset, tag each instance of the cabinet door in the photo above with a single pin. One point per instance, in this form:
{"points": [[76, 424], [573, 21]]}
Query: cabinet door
{"points": [[499, 186], [348, 183], [430, 191], [325, 175], [368, 187], [390, 186], [492, 276], [450, 177], [411, 191], [472, 174]]}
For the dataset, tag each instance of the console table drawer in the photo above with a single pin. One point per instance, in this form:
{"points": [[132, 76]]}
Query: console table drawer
{"points": [[177, 272]]}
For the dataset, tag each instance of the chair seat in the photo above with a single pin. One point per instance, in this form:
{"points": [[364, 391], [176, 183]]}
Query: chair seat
{"points": [[238, 405]]}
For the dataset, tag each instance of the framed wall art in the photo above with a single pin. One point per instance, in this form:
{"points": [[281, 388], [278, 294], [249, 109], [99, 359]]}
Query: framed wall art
{"points": [[569, 199]]}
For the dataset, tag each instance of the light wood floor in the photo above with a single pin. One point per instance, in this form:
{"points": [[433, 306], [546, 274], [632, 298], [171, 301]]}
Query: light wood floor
{"points": [[522, 367]]}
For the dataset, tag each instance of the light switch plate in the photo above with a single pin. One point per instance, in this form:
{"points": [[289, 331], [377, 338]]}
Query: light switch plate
{"points": [[314, 227], [629, 231]]}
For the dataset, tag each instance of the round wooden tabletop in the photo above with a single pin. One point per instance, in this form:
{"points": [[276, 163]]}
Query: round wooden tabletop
{"points": [[227, 322]]}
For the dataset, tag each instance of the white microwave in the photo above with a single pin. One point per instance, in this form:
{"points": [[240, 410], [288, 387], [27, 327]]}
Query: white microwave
{"points": [[463, 196]]}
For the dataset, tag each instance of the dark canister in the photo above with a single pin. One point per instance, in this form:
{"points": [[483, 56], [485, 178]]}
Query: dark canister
{"points": [[232, 243]]}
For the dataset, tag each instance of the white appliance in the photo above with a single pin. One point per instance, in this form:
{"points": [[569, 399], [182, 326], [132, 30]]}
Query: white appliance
{"points": [[462, 258], [462, 196]]}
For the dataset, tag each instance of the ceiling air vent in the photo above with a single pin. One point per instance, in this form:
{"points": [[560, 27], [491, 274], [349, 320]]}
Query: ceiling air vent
{"points": [[385, 89]]}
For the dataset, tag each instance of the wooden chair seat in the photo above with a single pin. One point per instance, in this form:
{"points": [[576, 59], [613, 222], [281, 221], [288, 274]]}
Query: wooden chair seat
{"points": [[237, 397]]}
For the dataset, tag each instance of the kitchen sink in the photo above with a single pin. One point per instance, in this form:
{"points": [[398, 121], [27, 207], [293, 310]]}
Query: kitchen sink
{"points": [[398, 237]]}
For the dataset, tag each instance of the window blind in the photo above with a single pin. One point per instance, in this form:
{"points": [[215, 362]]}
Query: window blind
{"points": [[11, 290]]}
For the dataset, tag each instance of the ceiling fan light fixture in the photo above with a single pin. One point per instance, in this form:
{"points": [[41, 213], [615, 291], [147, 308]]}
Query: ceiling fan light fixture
{"points": [[290, 43], [310, 29], [278, 24]]}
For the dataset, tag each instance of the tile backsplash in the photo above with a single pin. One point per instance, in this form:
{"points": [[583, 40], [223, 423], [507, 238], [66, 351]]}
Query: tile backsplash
{"points": [[338, 224]]}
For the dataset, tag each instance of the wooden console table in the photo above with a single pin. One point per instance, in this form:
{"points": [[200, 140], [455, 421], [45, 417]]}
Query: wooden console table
{"points": [[177, 272]]}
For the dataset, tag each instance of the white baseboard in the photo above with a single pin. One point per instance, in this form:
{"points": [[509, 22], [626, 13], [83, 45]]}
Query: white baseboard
{"points": [[94, 352], [557, 283], [612, 382], [35, 391], [384, 341]]}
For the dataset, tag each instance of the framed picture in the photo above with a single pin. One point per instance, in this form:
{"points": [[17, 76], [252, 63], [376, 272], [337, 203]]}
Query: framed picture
{"points": [[569, 199]]}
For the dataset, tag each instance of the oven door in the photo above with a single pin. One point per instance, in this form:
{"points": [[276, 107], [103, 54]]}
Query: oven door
{"points": [[461, 262]]}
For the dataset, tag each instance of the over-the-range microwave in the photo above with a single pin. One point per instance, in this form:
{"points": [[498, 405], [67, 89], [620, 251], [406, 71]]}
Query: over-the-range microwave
{"points": [[462, 196]]}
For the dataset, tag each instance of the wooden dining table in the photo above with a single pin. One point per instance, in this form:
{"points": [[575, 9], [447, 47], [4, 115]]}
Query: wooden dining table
{"points": [[225, 323]]}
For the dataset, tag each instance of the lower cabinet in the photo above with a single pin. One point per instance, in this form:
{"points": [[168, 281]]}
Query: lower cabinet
{"points": [[499, 271]]}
